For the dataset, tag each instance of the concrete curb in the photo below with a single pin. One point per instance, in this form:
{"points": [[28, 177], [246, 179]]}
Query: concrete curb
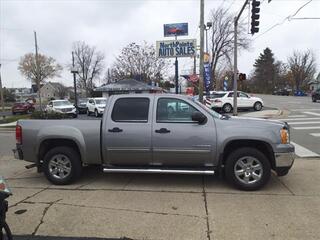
{"points": [[265, 114]]}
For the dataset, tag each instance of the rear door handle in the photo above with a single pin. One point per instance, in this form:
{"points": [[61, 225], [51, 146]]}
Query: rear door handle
{"points": [[115, 130], [162, 130]]}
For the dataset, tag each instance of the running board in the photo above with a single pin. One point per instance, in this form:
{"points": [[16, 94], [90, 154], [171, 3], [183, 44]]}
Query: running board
{"points": [[177, 171]]}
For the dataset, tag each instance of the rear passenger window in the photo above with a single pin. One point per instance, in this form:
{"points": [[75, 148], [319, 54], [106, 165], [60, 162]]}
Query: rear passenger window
{"points": [[131, 110]]}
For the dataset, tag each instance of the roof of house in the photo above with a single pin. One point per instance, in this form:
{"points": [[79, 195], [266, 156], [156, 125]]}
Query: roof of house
{"points": [[127, 85]]}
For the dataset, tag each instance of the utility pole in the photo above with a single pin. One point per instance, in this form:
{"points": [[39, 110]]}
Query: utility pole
{"points": [[37, 69], [74, 72], [1, 92], [176, 72], [201, 69], [235, 67]]}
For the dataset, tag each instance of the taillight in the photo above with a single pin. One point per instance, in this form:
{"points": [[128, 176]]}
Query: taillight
{"points": [[18, 134]]}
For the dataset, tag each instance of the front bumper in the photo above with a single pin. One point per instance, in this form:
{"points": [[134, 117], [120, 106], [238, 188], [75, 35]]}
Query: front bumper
{"points": [[284, 159]]}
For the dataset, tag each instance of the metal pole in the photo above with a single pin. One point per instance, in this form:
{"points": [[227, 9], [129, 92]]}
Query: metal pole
{"points": [[201, 69], [37, 69], [235, 69], [206, 40], [1, 92], [74, 83], [176, 73]]}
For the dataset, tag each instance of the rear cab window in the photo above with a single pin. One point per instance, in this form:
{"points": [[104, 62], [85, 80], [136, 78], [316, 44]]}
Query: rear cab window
{"points": [[131, 110]]}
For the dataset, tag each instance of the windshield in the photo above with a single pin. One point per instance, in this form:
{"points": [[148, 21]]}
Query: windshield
{"points": [[208, 110], [101, 101], [61, 103], [83, 100]]}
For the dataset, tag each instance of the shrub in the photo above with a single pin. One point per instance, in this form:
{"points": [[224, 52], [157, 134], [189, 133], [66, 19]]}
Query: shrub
{"points": [[48, 115]]}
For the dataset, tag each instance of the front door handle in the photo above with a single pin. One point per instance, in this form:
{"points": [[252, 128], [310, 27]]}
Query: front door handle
{"points": [[115, 130], [162, 130]]}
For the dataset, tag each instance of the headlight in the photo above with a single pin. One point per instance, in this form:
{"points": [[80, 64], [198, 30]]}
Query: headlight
{"points": [[284, 134]]}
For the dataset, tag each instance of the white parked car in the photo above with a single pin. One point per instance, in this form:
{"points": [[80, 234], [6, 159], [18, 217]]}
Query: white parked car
{"points": [[62, 106], [96, 106], [223, 100]]}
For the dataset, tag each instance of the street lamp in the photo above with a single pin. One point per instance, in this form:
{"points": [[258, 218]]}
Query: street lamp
{"points": [[206, 28], [74, 71]]}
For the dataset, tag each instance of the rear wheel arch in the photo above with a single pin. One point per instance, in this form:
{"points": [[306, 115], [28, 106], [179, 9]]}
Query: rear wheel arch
{"points": [[48, 144]]}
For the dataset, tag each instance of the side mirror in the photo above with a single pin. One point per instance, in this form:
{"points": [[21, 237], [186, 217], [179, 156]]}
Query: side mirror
{"points": [[199, 117]]}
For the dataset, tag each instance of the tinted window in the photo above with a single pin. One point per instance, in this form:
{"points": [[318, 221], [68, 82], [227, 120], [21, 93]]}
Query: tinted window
{"points": [[174, 110], [130, 110], [244, 95], [217, 95], [231, 94]]}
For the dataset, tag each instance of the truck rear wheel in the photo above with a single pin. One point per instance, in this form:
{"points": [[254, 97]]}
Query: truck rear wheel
{"points": [[247, 169], [62, 165]]}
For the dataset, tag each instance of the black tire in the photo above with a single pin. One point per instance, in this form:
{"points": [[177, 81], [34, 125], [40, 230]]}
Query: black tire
{"points": [[88, 112], [314, 99], [257, 106], [241, 154], [13, 113], [227, 108], [74, 164], [7, 232], [75, 115]]}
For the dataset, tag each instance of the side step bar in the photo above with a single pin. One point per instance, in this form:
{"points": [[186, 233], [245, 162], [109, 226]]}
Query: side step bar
{"points": [[174, 171]]}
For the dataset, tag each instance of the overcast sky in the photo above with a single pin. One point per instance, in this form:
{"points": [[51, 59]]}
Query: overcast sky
{"points": [[112, 24]]}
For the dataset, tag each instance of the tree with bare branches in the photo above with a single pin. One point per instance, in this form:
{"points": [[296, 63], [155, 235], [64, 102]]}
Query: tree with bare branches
{"points": [[90, 65], [47, 68], [302, 66], [222, 38], [139, 62]]}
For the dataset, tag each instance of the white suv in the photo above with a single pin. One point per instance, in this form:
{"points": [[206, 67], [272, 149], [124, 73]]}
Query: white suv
{"points": [[224, 100], [96, 106], [62, 106]]}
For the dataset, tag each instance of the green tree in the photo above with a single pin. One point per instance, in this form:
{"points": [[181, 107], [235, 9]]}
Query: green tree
{"points": [[265, 72]]}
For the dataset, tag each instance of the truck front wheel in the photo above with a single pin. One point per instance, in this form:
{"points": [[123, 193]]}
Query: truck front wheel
{"points": [[62, 165], [247, 169]]}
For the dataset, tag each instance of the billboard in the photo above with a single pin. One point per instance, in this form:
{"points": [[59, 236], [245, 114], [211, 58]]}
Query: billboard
{"points": [[176, 48], [175, 29], [207, 76]]}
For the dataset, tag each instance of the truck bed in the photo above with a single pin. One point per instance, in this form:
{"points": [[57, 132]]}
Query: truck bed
{"points": [[85, 133]]}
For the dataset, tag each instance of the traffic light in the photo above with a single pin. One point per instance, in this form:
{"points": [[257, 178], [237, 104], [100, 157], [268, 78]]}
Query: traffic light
{"points": [[255, 16], [242, 76]]}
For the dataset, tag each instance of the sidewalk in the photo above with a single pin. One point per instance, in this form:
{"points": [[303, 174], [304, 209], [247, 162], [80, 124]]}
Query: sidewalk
{"points": [[145, 206]]}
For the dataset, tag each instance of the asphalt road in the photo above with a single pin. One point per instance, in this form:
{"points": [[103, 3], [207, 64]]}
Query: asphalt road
{"points": [[303, 116]]}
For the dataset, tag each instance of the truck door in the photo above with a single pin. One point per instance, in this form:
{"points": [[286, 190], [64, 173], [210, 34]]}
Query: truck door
{"points": [[127, 133], [179, 141]]}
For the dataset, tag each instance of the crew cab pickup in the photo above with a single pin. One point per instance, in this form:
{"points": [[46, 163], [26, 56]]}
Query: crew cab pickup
{"points": [[145, 133]]}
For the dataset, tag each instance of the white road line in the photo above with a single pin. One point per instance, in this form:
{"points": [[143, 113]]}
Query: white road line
{"points": [[305, 128], [312, 113], [299, 119], [303, 123], [305, 109], [304, 152], [315, 134], [296, 116]]}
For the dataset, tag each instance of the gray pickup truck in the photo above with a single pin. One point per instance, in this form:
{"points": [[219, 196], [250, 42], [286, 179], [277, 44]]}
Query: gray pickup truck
{"points": [[144, 133]]}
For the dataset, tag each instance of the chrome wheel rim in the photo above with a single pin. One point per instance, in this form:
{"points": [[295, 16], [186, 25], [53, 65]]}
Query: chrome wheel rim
{"points": [[227, 108], [60, 166], [248, 170], [258, 106]]}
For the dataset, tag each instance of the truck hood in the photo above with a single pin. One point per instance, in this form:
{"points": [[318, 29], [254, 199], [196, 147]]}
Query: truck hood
{"points": [[256, 122]]}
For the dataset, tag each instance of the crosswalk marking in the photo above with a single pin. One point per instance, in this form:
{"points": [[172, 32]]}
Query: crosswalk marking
{"points": [[306, 128], [298, 119], [303, 123], [315, 134], [312, 113], [303, 152]]}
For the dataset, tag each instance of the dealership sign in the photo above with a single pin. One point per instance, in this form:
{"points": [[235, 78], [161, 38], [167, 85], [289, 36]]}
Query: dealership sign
{"points": [[175, 29], [176, 48]]}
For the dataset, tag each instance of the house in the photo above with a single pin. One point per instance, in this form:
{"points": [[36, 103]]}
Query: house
{"points": [[126, 86], [314, 84], [53, 90]]}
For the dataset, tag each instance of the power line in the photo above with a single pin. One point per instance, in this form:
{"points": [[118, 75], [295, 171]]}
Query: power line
{"points": [[284, 20]]}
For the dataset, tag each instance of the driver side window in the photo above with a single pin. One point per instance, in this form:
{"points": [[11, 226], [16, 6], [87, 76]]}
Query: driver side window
{"points": [[174, 110]]}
